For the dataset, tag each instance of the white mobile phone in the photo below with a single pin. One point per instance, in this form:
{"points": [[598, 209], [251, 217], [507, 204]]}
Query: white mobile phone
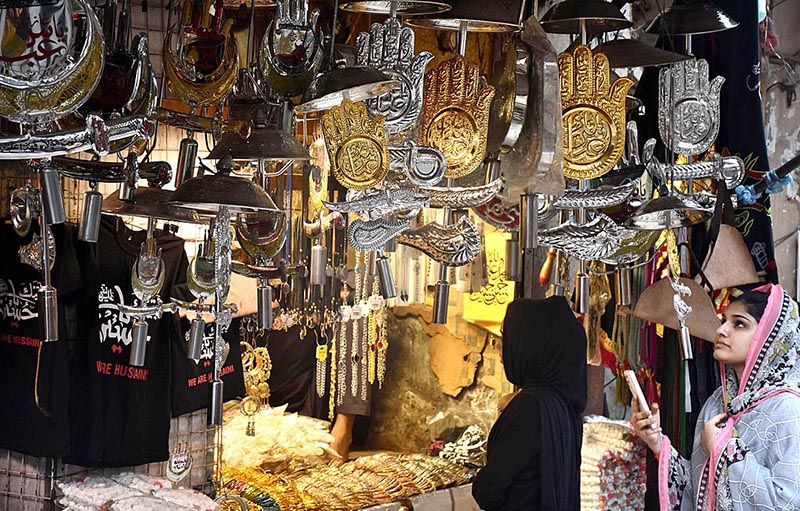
{"points": [[636, 390]]}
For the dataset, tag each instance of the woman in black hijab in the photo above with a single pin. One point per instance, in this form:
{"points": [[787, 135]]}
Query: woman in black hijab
{"points": [[534, 449]]}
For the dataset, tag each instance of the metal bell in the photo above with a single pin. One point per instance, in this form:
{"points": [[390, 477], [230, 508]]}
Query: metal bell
{"points": [[581, 293], [52, 197], [264, 315], [48, 313], [196, 338], [441, 298], [89, 229], [686, 343], [622, 285], [386, 277], [138, 343], [319, 263], [187, 155], [215, 410]]}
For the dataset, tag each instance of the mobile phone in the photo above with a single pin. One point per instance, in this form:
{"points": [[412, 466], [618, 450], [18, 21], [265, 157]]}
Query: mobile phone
{"points": [[636, 390]]}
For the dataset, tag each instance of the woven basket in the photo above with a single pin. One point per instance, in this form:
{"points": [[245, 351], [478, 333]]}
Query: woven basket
{"points": [[613, 466]]}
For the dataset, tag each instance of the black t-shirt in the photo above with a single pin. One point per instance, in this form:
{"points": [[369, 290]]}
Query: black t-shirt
{"points": [[120, 414], [190, 380], [291, 381], [41, 430]]}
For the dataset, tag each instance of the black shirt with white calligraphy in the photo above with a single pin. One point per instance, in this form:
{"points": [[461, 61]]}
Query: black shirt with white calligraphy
{"points": [[120, 414], [27, 426]]}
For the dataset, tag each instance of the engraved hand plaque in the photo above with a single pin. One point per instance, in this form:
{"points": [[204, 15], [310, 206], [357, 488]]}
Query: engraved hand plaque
{"points": [[455, 115], [593, 113], [690, 104], [356, 145], [389, 47]]}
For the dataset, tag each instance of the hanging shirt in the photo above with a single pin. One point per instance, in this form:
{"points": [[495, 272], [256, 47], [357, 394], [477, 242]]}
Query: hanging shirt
{"points": [[120, 414], [43, 429], [191, 390]]}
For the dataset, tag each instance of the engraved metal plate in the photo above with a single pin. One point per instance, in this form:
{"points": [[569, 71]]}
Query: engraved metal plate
{"points": [[373, 235], [596, 198], [451, 245], [380, 204], [423, 166], [290, 56], [690, 104], [389, 47], [356, 145], [466, 197], [593, 113], [455, 116], [39, 80], [593, 241]]}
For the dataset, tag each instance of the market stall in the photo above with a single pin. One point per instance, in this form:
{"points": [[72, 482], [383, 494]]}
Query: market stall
{"points": [[233, 228]]}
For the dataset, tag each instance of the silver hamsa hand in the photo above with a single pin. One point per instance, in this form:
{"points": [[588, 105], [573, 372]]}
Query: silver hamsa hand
{"points": [[389, 47], [690, 104], [289, 55]]}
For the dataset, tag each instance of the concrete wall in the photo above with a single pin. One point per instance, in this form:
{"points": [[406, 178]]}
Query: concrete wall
{"points": [[782, 125]]}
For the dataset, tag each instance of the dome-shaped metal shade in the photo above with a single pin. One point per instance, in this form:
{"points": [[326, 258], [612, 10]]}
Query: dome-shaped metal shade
{"points": [[404, 8], [491, 16], [150, 203], [634, 53], [599, 16], [206, 194], [262, 144], [698, 18], [356, 83]]}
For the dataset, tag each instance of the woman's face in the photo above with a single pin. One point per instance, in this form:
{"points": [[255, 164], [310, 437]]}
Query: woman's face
{"points": [[734, 335]]}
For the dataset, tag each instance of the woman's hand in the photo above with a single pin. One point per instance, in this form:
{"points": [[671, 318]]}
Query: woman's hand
{"points": [[711, 430], [647, 425]]}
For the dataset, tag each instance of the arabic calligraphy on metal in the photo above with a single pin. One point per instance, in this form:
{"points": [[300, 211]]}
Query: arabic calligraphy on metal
{"points": [[47, 96], [593, 113], [356, 145], [389, 47], [455, 115], [690, 104]]}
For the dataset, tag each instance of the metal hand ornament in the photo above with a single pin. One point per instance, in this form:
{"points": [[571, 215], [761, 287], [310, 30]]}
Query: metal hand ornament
{"points": [[389, 47], [690, 104], [290, 54], [356, 145], [207, 62], [455, 115], [593, 113]]}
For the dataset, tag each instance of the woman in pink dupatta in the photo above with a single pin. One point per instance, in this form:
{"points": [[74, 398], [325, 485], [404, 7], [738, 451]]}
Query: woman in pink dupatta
{"points": [[746, 453]]}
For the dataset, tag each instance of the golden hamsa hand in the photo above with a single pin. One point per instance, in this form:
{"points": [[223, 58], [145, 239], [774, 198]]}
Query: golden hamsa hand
{"points": [[593, 111], [455, 115], [356, 145]]}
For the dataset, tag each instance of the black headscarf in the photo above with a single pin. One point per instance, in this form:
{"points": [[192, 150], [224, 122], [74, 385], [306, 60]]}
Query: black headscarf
{"points": [[544, 353], [544, 348]]}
